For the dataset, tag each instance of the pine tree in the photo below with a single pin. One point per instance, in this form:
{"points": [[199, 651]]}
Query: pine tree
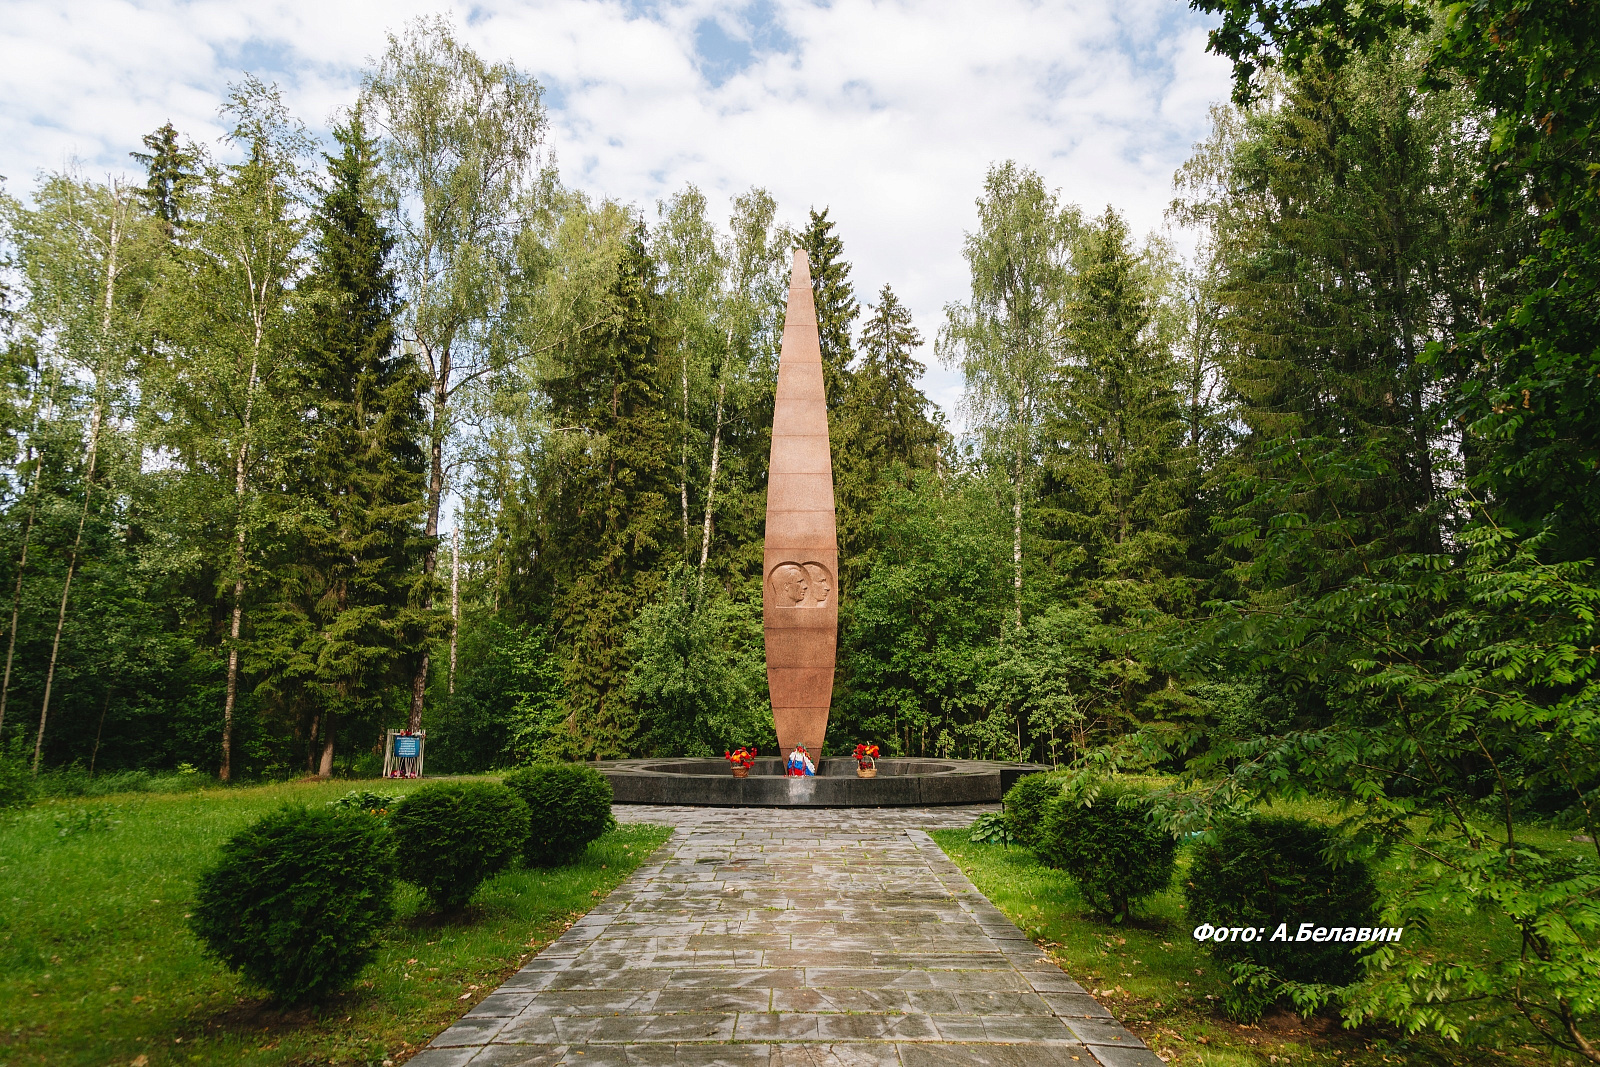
{"points": [[607, 503], [346, 627], [836, 302]]}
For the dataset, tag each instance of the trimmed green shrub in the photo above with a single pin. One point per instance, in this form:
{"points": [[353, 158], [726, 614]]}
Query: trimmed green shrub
{"points": [[452, 837], [296, 901], [569, 805], [1111, 848], [1025, 804], [1268, 870]]}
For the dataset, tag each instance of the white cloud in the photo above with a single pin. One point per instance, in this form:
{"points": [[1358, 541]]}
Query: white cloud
{"points": [[889, 113]]}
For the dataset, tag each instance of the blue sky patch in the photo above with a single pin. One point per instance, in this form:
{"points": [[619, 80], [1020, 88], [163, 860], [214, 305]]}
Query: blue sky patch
{"points": [[731, 44]]}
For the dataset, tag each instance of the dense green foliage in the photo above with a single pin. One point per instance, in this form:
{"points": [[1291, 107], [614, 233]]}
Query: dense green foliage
{"points": [[1268, 870], [451, 837], [1026, 805], [698, 672], [569, 805], [296, 901], [1111, 845], [17, 785]]}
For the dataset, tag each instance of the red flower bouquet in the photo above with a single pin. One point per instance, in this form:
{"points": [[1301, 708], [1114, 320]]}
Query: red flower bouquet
{"points": [[866, 757]]}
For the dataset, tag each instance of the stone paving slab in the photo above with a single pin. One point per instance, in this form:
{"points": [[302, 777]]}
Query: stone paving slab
{"points": [[783, 938]]}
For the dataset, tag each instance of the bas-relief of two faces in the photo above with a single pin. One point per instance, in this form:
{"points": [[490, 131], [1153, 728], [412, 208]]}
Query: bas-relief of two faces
{"points": [[801, 585]]}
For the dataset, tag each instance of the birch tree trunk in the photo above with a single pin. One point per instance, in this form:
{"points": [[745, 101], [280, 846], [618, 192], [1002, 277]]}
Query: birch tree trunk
{"points": [[683, 450], [66, 588], [711, 481], [16, 596], [114, 235], [430, 558], [1016, 540], [241, 464], [455, 598]]}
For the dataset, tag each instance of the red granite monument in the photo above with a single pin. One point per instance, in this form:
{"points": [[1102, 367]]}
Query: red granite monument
{"points": [[800, 606]]}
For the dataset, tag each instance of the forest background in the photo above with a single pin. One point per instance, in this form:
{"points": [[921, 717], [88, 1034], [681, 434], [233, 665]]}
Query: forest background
{"points": [[1193, 506]]}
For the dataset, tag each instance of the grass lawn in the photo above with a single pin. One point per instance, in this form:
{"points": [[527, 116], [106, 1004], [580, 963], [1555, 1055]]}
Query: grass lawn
{"points": [[1164, 986], [97, 966]]}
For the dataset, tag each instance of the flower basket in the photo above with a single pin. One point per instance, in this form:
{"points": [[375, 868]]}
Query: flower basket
{"points": [[866, 772], [866, 757], [740, 760], [740, 771]]}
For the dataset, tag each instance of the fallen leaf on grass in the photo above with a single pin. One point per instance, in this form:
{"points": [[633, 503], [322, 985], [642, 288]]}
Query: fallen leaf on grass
{"points": [[141, 1060]]}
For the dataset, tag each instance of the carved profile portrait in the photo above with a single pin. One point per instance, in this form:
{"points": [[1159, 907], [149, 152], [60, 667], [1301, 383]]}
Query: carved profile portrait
{"points": [[821, 583], [791, 583], [801, 585]]}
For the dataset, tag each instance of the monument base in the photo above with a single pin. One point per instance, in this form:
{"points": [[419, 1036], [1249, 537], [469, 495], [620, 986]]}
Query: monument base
{"points": [[899, 783]]}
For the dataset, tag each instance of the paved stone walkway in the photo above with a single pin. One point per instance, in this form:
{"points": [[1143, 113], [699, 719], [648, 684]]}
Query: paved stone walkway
{"points": [[788, 938]]}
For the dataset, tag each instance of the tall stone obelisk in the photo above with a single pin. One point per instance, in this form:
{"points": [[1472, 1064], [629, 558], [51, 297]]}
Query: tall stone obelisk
{"points": [[800, 605]]}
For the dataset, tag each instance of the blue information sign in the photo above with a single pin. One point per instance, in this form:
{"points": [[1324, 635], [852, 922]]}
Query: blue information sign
{"points": [[407, 747]]}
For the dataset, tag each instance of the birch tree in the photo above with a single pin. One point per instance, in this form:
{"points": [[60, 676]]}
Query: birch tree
{"points": [[460, 146], [85, 250], [749, 317], [217, 383], [1007, 338], [693, 269]]}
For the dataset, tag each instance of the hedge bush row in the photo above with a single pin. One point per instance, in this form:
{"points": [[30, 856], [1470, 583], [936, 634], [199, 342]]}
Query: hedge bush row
{"points": [[1255, 871], [296, 902]]}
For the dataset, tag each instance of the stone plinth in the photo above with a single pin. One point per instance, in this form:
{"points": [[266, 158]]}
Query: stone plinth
{"points": [[900, 783], [800, 598]]}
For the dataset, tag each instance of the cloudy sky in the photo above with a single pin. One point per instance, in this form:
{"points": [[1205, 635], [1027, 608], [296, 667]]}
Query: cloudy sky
{"points": [[888, 113]]}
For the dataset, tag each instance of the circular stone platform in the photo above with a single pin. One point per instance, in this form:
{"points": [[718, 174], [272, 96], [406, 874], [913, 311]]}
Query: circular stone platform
{"points": [[899, 783]]}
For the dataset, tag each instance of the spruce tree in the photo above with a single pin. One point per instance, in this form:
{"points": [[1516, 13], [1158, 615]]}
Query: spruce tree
{"points": [[836, 302], [1117, 467], [170, 170], [884, 427], [908, 428], [1348, 241], [607, 500], [346, 627]]}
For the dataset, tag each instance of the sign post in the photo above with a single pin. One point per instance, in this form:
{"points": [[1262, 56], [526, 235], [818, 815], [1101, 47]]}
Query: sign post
{"points": [[403, 752]]}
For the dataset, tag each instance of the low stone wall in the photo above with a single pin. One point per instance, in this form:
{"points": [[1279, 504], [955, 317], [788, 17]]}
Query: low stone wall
{"points": [[899, 783]]}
